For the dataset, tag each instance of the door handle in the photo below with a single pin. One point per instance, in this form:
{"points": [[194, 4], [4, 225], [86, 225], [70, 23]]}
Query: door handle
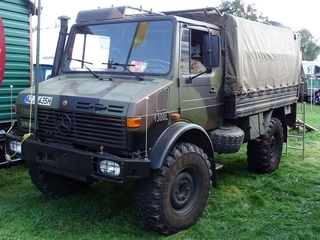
{"points": [[212, 90]]}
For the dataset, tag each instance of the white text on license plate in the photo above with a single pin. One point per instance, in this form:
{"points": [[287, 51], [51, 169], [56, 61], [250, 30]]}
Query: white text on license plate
{"points": [[42, 100]]}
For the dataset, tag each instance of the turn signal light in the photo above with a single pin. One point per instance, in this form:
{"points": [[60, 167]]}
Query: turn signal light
{"points": [[175, 116], [133, 122]]}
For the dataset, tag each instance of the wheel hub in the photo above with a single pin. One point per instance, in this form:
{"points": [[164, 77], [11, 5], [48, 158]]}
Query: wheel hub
{"points": [[184, 191]]}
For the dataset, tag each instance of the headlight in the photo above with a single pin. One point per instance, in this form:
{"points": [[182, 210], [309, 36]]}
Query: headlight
{"points": [[15, 146], [110, 168]]}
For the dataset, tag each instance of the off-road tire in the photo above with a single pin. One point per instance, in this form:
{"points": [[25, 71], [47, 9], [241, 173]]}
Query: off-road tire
{"points": [[227, 140], [53, 185], [174, 196], [264, 153]]}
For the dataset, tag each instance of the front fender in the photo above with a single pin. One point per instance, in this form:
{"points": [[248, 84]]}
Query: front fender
{"points": [[180, 131]]}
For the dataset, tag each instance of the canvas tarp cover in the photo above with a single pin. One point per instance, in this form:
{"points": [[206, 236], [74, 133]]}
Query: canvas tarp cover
{"points": [[257, 56]]}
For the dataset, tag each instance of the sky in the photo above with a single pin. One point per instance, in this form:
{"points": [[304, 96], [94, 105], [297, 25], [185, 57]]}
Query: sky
{"points": [[296, 14]]}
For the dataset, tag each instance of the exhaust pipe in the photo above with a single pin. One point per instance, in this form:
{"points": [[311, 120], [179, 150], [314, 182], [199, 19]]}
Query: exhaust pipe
{"points": [[60, 45]]}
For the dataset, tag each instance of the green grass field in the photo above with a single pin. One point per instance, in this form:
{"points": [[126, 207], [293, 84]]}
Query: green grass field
{"points": [[245, 205]]}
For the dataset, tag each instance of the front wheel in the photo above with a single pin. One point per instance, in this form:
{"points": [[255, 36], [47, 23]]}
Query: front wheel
{"points": [[264, 153], [174, 196]]}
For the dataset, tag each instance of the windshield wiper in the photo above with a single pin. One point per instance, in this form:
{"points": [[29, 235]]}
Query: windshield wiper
{"points": [[125, 68], [83, 62]]}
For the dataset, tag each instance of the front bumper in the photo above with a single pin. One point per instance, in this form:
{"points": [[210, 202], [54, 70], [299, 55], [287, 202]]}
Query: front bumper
{"points": [[82, 165]]}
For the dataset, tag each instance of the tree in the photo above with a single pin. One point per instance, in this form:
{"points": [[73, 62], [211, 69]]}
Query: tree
{"points": [[243, 10], [310, 48]]}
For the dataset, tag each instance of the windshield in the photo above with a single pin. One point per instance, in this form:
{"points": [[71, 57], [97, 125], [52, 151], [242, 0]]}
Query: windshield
{"points": [[138, 47]]}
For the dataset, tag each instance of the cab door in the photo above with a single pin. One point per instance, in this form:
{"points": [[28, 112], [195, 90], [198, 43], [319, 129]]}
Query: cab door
{"points": [[201, 93]]}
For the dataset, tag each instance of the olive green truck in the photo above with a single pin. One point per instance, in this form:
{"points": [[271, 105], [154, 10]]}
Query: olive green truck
{"points": [[145, 97]]}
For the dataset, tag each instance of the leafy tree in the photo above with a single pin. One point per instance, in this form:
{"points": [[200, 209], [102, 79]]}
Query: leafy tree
{"points": [[243, 10], [310, 48]]}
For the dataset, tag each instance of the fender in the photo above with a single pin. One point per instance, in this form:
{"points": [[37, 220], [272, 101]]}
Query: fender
{"points": [[185, 132]]}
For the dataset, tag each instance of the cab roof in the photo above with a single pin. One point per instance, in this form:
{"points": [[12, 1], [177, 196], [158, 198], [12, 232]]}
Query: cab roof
{"points": [[112, 13]]}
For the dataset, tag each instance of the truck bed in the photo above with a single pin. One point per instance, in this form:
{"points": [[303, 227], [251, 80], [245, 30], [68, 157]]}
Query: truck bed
{"points": [[251, 103]]}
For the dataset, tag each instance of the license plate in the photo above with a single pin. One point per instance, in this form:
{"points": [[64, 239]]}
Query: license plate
{"points": [[42, 100]]}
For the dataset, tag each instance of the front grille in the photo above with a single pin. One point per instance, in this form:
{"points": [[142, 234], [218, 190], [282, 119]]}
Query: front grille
{"points": [[82, 128]]}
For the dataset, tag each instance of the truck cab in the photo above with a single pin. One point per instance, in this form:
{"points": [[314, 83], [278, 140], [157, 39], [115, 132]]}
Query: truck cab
{"points": [[120, 83]]}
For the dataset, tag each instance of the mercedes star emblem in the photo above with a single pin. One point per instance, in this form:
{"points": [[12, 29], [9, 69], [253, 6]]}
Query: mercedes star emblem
{"points": [[64, 124]]}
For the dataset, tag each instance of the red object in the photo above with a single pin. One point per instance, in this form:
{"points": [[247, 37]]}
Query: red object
{"points": [[2, 51]]}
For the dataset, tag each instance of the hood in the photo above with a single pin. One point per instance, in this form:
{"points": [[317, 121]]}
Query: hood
{"points": [[79, 93]]}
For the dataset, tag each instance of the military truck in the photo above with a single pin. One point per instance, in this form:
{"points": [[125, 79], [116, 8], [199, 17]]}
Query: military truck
{"points": [[153, 100]]}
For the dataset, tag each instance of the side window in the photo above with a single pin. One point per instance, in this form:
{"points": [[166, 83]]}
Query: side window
{"points": [[191, 51], [185, 52]]}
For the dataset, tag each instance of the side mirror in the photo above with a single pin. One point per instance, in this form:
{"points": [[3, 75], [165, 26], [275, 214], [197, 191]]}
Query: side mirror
{"points": [[211, 51]]}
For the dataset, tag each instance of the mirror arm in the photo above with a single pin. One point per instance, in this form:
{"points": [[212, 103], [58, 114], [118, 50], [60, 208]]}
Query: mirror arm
{"points": [[189, 79]]}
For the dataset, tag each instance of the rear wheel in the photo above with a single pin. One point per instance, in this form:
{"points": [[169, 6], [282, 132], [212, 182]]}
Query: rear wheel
{"points": [[174, 196], [264, 153], [53, 185]]}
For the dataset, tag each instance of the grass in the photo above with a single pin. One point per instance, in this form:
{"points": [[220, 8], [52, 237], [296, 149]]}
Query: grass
{"points": [[245, 205]]}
